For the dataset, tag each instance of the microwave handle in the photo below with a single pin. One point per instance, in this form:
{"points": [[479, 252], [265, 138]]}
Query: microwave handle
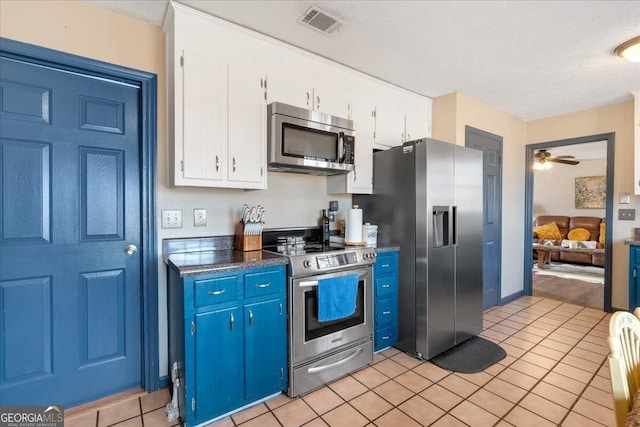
{"points": [[341, 147]]}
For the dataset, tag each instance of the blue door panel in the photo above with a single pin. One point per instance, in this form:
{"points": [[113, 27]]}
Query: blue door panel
{"points": [[70, 155], [20, 101], [102, 316], [25, 329], [218, 360], [265, 334], [102, 115], [102, 198], [25, 207]]}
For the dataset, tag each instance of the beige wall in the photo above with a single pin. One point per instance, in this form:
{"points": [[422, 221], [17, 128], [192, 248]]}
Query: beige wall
{"points": [[554, 189], [616, 118], [451, 113]]}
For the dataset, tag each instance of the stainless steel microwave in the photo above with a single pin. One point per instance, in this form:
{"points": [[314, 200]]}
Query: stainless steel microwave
{"points": [[306, 141]]}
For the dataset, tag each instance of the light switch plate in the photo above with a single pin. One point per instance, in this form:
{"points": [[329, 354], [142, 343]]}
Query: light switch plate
{"points": [[626, 214], [171, 218], [624, 198]]}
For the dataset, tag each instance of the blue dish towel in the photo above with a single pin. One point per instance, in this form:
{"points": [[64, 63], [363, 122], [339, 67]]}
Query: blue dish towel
{"points": [[337, 297]]}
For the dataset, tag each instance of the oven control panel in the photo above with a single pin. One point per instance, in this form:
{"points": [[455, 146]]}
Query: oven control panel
{"points": [[305, 265], [336, 260]]}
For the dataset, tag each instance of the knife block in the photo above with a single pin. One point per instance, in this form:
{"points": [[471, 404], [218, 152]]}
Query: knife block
{"points": [[246, 243]]}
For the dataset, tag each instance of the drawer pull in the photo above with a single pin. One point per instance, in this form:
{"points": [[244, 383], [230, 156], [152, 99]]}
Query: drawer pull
{"points": [[386, 265], [220, 292], [386, 285], [386, 312], [263, 285], [386, 337]]}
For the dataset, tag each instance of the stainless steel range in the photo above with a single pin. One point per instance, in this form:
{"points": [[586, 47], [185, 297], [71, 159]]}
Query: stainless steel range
{"points": [[320, 352]]}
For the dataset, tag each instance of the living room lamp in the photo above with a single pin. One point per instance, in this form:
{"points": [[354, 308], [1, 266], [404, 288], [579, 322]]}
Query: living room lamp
{"points": [[629, 50]]}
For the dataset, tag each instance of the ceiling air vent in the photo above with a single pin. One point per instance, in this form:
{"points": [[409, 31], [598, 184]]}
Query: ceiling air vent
{"points": [[321, 21]]}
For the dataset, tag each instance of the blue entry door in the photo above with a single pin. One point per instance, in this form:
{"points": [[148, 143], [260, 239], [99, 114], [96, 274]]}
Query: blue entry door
{"points": [[69, 288]]}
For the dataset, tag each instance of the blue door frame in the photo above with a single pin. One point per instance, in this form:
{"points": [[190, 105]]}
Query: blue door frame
{"points": [[148, 131], [528, 209]]}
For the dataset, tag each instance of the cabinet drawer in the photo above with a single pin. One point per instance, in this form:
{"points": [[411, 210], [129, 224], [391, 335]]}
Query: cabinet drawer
{"points": [[386, 337], [386, 312], [386, 262], [263, 283], [215, 291], [386, 285]]}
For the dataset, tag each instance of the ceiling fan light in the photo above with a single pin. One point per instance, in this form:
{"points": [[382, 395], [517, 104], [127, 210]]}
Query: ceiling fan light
{"points": [[538, 166], [547, 165], [629, 50]]}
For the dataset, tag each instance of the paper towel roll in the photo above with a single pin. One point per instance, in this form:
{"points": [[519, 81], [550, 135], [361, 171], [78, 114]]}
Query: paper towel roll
{"points": [[353, 225]]}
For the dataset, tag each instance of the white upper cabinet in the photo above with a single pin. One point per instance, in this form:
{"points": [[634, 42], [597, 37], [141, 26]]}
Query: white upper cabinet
{"points": [[223, 122], [292, 92], [416, 128], [288, 91], [202, 145], [247, 117], [389, 128], [331, 103], [360, 181]]}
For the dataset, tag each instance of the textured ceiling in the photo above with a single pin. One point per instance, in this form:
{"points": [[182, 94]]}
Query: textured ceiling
{"points": [[532, 59]]}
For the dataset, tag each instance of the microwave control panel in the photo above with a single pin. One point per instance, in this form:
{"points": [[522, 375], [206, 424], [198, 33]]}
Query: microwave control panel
{"points": [[349, 147]]}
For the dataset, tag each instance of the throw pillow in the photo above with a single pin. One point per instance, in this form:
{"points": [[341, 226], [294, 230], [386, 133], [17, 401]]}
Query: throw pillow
{"points": [[601, 240], [579, 234], [548, 231]]}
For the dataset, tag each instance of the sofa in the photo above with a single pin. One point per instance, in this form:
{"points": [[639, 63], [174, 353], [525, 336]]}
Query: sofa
{"points": [[566, 224]]}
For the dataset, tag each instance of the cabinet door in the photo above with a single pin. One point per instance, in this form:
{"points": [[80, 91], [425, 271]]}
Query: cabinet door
{"points": [[247, 127], [360, 181], [265, 348], [389, 128], [204, 118], [416, 128], [288, 91], [219, 368], [331, 103]]}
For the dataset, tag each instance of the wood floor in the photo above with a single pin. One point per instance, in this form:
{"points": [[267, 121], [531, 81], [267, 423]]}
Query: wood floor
{"points": [[571, 291]]}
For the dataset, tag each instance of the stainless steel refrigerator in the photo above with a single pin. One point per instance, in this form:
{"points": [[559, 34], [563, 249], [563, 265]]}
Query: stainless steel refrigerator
{"points": [[427, 199]]}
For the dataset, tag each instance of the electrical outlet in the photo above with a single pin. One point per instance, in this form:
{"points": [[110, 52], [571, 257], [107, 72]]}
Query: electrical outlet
{"points": [[332, 216], [199, 217], [171, 218]]}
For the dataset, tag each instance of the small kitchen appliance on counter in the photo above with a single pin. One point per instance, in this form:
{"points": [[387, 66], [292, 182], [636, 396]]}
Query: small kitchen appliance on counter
{"points": [[320, 352]]}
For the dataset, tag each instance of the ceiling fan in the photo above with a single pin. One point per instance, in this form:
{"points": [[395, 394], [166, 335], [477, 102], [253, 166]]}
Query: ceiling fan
{"points": [[543, 159]]}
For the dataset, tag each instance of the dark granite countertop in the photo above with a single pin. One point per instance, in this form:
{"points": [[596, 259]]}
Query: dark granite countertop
{"points": [[220, 261], [632, 242]]}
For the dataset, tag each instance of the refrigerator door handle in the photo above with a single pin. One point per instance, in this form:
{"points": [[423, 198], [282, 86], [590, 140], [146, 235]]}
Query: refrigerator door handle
{"points": [[440, 226], [454, 226]]}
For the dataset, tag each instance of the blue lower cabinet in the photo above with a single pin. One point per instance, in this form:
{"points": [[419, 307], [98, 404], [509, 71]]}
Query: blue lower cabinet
{"points": [[228, 336], [385, 277], [634, 277], [265, 348]]}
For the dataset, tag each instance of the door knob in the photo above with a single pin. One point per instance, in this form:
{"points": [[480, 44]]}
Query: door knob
{"points": [[130, 249]]}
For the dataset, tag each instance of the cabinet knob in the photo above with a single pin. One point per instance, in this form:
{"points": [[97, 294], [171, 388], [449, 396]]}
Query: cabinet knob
{"points": [[217, 163], [234, 164]]}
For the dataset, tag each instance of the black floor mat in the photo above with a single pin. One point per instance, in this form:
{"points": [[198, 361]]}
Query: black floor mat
{"points": [[474, 355]]}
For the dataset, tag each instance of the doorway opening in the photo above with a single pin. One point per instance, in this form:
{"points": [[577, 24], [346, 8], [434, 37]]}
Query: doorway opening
{"points": [[573, 268]]}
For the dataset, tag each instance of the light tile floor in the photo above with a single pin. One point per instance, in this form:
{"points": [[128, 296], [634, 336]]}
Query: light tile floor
{"points": [[555, 373]]}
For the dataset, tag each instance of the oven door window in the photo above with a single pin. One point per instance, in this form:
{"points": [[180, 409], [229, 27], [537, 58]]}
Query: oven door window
{"points": [[310, 143], [314, 329]]}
